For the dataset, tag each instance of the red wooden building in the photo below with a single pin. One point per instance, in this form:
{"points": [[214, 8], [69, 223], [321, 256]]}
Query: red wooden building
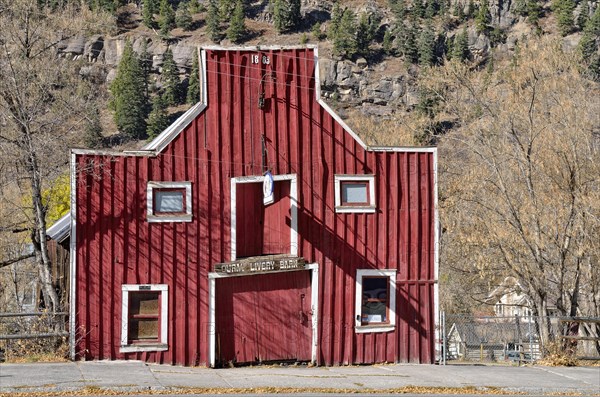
{"points": [[258, 227]]}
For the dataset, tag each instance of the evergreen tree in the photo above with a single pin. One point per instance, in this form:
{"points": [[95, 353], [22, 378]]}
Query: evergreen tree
{"points": [[334, 23], [426, 46], [418, 9], [183, 17], [459, 11], [431, 9], [362, 36], [150, 7], [128, 100], [460, 48], [588, 45], [388, 43], [584, 14], [470, 9], [92, 137], [410, 49], [237, 26], [166, 18], [170, 79], [344, 42], [399, 9], [158, 119], [213, 24], [483, 17], [226, 9], [193, 93], [286, 15], [564, 15], [534, 12], [146, 66], [317, 33]]}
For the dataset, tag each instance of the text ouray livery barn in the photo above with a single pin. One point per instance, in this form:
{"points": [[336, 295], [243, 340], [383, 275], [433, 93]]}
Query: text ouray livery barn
{"points": [[182, 253]]}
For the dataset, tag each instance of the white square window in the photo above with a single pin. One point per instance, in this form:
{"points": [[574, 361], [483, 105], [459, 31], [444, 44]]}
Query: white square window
{"points": [[169, 202], [375, 300], [355, 193], [144, 318]]}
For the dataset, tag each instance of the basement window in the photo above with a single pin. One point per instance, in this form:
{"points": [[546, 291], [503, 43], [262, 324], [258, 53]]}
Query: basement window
{"points": [[169, 202], [355, 193], [375, 300], [144, 318]]}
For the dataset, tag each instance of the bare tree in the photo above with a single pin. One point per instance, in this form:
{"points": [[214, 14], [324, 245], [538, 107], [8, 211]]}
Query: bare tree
{"points": [[42, 107], [521, 177]]}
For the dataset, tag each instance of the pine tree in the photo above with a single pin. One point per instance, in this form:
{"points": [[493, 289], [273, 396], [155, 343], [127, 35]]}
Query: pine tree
{"points": [[534, 12], [431, 9], [170, 79], [344, 42], [193, 93], [399, 9], [362, 36], [334, 23], [183, 17], [317, 33], [588, 45], [584, 14], [460, 49], [470, 9], [483, 17], [564, 15], [213, 24], [146, 66], [92, 137], [128, 98], [150, 7], [409, 48], [286, 15], [237, 26], [426, 46], [166, 18], [226, 9], [418, 9], [158, 119]]}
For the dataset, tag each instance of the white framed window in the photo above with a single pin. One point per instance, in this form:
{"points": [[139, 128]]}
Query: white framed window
{"points": [[169, 201], [144, 317], [354, 193], [375, 300]]}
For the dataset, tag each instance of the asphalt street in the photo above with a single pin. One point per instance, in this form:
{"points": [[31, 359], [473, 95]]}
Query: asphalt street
{"points": [[87, 377]]}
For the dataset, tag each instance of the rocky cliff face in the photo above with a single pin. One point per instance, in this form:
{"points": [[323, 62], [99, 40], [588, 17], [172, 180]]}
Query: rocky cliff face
{"points": [[378, 88]]}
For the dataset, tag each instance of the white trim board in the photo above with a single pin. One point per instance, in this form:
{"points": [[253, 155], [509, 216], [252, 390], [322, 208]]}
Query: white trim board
{"points": [[293, 208], [314, 298]]}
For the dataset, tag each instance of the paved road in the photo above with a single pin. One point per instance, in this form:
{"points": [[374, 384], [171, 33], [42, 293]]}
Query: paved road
{"points": [[134, 376]]}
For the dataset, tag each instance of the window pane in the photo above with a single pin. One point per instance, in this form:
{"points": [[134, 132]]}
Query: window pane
{"points": [[145, 303], [168, 201], [375, 300], [354, 193], [143, 329]]}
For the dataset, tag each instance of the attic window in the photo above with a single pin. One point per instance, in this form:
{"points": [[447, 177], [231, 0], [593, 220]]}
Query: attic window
{"points": [[355, 193], [169, 202]]}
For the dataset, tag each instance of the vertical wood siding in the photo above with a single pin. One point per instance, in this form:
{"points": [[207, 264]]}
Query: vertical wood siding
{"points": [[116, 245]]}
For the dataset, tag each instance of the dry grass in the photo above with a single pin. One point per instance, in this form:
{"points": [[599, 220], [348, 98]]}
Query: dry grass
{"points": [[384, 132]]}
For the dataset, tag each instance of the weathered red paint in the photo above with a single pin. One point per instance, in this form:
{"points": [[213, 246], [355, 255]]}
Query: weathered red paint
{"points": [[116, 245]]}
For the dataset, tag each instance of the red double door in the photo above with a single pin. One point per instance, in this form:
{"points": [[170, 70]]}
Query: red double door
{"points": [[263, 318]]}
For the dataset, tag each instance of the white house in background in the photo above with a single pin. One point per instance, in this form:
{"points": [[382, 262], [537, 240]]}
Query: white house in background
{"points": [[509, 300]]}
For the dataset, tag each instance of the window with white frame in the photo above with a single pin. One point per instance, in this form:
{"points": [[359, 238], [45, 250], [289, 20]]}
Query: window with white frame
{"points": [[169, 202], [355, 193], [144, 317], [375, 300]]}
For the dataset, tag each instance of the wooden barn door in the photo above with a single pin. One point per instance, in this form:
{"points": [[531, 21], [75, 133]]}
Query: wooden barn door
{"points": [[260, 229], [264, 318]]}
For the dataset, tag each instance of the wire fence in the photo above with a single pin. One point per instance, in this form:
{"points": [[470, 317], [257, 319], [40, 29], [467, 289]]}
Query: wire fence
{"points": [[517, 339]]}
